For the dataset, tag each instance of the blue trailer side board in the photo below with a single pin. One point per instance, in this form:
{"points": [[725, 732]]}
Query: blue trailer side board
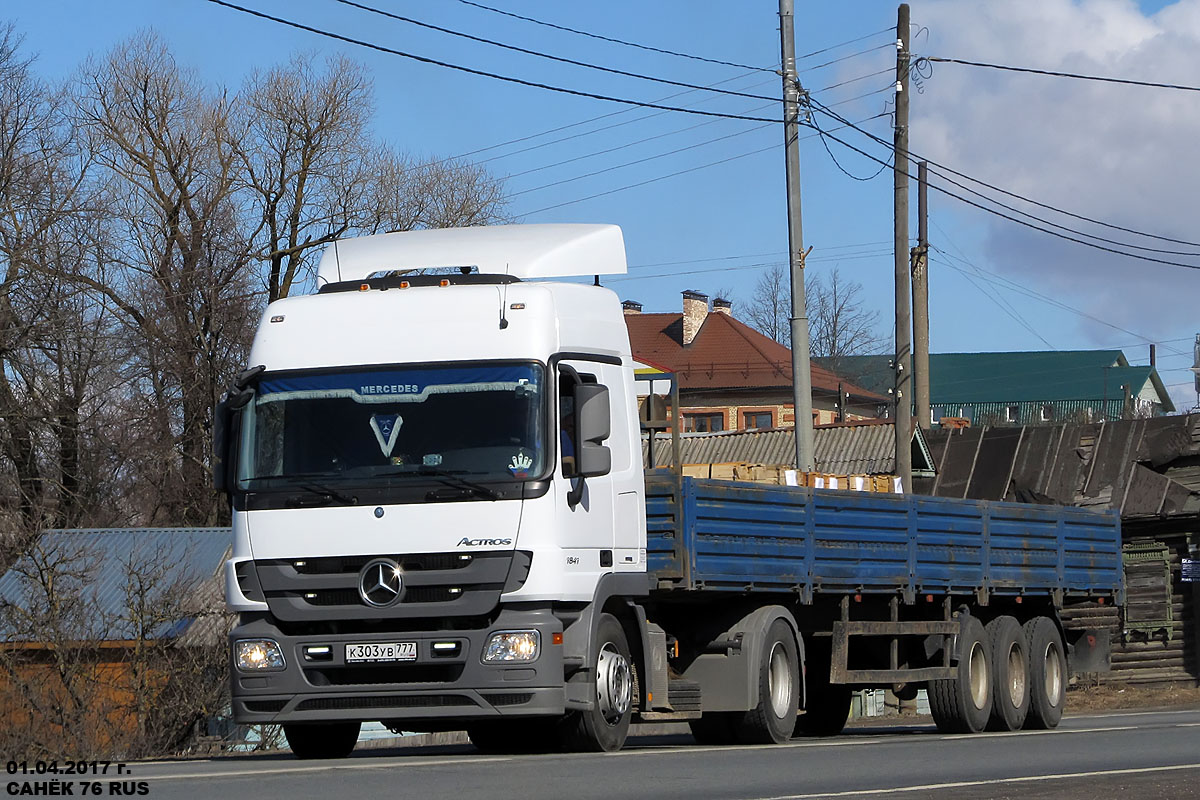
{"points": [[734, 536]]}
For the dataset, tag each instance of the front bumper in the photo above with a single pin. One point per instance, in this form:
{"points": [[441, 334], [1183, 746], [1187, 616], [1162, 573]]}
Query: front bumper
{"points": [[455, 687]]}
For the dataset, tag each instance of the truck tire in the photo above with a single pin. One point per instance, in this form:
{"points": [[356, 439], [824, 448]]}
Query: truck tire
{"points": [[321, 739], [716, 728], [1047, 674], [1010, 674], [513, 736], [826, 710], [963, 704], [604, 727], [773, 720]]}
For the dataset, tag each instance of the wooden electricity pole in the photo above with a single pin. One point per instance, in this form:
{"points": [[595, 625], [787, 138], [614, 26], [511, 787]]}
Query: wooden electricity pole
{"points": [[920, 295]]}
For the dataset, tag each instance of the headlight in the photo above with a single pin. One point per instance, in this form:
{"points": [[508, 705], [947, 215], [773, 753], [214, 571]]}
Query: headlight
{"points": [[511, 646], [258, 655]]}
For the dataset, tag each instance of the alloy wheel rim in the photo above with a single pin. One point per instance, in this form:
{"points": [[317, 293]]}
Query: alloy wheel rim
{"points": [[978, 675], [779, 677], [614, 684]]}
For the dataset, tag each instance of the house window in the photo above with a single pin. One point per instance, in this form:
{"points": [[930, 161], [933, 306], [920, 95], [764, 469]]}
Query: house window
{"points": [[703, 423], [1012, 413], [757, 419], [1047, 413]]}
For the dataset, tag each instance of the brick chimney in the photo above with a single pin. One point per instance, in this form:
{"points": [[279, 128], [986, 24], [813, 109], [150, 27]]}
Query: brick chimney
{"points": [[631, 306], [695, 309], [723, 306]]}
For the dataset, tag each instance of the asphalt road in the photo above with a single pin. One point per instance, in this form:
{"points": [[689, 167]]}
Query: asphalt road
{"points": [[1146, 754]]}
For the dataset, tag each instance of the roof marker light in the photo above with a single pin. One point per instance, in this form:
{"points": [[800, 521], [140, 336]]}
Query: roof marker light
{"points": [[364, 287], [405, 285], [444, 282]]}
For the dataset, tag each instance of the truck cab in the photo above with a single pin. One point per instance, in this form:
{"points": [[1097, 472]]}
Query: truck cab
{"points": [[436, 484]]}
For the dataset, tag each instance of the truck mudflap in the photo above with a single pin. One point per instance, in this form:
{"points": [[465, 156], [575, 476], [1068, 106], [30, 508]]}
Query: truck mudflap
{"points": [[431, 674]]}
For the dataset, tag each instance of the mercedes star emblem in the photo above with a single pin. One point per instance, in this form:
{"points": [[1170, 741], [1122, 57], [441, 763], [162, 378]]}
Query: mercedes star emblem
{"points": [[379, 583]]}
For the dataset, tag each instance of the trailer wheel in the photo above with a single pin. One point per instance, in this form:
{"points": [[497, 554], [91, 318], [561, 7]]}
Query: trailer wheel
{"points": [[826, 711], [1010, 674], [773, 720], [963, 704], [1047, 674], [605, 726], [715, 728], [321, 739], [514, 736]]}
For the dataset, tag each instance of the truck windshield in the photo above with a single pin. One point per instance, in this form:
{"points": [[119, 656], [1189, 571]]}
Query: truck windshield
{"points": [[481, 422]]}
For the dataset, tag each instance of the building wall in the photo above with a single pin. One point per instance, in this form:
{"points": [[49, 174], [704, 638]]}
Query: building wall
{"points": [[733, 408]]}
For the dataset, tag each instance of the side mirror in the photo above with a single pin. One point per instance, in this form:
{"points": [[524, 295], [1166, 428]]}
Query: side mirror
{"points": [[593, 425], [222, 427], [225, 426]]}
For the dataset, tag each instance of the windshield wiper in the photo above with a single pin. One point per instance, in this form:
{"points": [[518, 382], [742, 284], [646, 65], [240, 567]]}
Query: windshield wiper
{"points": [[324, 495], [457, 481]]}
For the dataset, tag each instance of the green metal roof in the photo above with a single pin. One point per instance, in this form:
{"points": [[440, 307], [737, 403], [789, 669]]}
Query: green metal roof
{"points": [[1039, 376]]}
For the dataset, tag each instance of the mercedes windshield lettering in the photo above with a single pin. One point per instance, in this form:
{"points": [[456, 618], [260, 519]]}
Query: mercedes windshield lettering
{"points": [[324, 435]]}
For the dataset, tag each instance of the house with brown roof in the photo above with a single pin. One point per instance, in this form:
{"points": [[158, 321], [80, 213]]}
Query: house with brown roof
{"points": [[731, 377]]}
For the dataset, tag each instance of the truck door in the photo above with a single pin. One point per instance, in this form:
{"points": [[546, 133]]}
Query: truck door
{"points": [[588, 525]]}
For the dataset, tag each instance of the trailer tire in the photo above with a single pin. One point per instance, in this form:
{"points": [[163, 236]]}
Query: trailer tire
{"points": [[773, 720], [715, 728], [514, 736], [1047, 674], [603, 728], [1010, 674], [963, 704], [321, 739], [826, 711]]}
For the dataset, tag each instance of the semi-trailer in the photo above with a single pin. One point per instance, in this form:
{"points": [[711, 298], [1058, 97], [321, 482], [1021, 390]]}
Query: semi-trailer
{"points": [[442, 522]]}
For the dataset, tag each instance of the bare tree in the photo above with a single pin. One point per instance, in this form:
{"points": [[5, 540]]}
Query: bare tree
{"points": [[303, 151], [770, 306], [178, 276], [839, 325]]}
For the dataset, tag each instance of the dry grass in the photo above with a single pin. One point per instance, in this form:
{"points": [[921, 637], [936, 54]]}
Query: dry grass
{"points": [[1116, 695]]}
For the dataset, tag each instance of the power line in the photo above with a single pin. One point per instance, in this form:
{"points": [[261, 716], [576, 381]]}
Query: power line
{"points": [[1002, 215], [1025, 290], [1033, 202], [629, 144], [482, 73], [810, 260], [1056, 74], [671, 175], [539, 54], [753, 255], [594, 119], [661, 50], [638, 161]]}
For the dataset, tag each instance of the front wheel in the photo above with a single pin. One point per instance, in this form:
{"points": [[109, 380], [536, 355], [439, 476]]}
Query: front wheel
{"points": [[321, 739], [604, 727]]}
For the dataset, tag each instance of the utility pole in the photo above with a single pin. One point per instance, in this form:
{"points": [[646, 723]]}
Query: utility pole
{"points": [[801, 372], [903, 360], [920, 295]]}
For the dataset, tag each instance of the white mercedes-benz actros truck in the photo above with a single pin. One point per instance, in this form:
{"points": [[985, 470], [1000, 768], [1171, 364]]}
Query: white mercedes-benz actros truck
{"points": [[441, 521]]}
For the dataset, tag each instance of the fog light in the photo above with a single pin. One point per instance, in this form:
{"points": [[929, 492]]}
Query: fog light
{"points": [[511, 646], [258, 655]]}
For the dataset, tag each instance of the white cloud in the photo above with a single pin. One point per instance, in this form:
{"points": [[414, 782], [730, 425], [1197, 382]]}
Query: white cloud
{"points": [[1126, 155]]}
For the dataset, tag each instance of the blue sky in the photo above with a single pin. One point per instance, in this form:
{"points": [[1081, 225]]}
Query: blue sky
{"points": [[994, 286]]}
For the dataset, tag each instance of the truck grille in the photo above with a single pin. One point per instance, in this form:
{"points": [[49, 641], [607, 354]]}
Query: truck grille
{"points": [[435, 585]]}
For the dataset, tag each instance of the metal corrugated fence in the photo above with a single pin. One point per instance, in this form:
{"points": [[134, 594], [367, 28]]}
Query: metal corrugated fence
{"points": [[842, 450]]}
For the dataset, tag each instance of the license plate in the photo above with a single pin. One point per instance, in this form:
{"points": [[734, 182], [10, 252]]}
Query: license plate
{"points": [[381, 651]]}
